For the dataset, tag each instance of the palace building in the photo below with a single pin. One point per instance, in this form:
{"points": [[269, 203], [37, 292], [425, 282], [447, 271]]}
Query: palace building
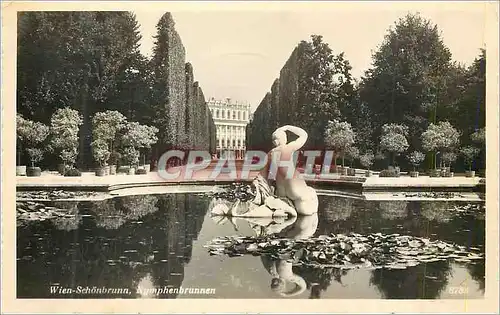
{"points": [[231, 119]]}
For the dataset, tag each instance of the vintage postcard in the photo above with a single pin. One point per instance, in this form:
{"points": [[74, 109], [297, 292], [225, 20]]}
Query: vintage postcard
{"points": [[249, 157]]}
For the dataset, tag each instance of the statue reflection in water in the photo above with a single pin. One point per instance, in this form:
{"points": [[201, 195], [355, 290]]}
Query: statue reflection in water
{"points": [[281, 270]]}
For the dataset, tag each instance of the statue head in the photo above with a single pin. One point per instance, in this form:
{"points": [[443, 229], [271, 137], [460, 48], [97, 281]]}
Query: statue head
{"points": [[279, 138]]}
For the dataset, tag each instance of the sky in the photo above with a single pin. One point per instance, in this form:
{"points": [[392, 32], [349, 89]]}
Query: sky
{"points": [[238, 53]]}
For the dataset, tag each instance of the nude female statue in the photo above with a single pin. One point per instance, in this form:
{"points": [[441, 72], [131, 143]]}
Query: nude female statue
{"points": [[294, 187]]}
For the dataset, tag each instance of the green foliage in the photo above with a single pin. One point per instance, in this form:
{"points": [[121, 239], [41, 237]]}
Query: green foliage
{"points": [[448, 157], [339, 136], [469, 153], [64, 128], [100, 152], [416, 158], [440, 138], [98, 47], [388, 173], [73, 172], [367, 159], [352, 154], [406, 84], [105, 126], [138, 136], [35, 155], [21, 127], [393, 140], [324, 87], [479, 136], [35, 133], [130, 155]]}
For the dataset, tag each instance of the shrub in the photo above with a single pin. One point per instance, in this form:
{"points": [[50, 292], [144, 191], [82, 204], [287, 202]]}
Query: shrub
{"points": [[469, 153], [388, 173], [64, 127], [415, 158], [367, 159], [123, 169], [72, 172], [141, 171]]}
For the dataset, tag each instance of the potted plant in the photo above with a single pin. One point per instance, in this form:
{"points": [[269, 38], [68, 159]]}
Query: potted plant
{"points": [[106, 127], [447, 158], [131, 156], [393, 142], [352, 153], [35, 155], [64, 127], [415, 158], [367, 161], [469, 153], [114, 157], [21, 137], [339, 136], [36, 133], [101, 155], [441, 137]]}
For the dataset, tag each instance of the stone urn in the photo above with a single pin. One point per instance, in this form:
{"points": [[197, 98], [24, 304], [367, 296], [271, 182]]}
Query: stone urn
{"points": [[414, 174], [112, 169], [107, 169], [33, 171], [368, 173], [351, 171], [131, 171], [21, 170], [147, 167]]}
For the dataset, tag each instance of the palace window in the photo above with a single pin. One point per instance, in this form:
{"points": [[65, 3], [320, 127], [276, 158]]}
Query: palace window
{"points": [[217, 114], [234, 114], [239, 115], [223, 114], [234, 143]]}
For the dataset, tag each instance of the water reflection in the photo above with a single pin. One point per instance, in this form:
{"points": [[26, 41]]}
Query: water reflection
{"points": [[120, 243], [281, 270], [146, 243]]}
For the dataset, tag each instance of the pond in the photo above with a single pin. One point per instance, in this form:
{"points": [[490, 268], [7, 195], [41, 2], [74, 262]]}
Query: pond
{"points": [[153, 246]]}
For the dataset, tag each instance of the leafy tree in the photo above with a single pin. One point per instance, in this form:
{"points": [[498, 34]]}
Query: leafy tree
{"points": [[393, 140], [64, 128], [137, 136], [79, 60], [35, 134], [21, 133], [416, 158], [35, 155], [479, 136], [325, 85], [407, 82], [367, 159], [100, 151], [469, 153], [440, 138], [448, 158], [106, 125], [352, 153], [339, 136]]}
